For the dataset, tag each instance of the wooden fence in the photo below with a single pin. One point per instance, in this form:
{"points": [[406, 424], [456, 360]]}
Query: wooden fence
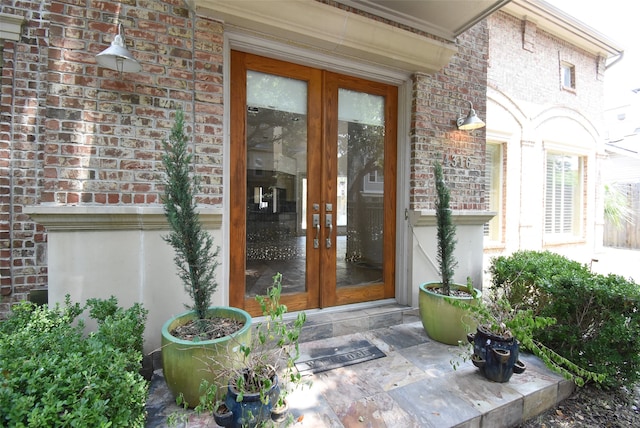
{"points": [[627, 235]]}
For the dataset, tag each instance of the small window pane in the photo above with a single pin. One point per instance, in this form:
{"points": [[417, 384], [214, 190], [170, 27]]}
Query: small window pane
{"points": [[567, 76]]}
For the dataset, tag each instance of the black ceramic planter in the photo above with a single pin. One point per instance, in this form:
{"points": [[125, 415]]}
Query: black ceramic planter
{"points": [[279, 413], [495, 356], [223, 416]]}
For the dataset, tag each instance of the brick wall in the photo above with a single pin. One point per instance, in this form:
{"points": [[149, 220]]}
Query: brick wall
{"points": [[73, 133], [524, 62], [22, 138], [104, 131], [531, 114], [438, 100]]}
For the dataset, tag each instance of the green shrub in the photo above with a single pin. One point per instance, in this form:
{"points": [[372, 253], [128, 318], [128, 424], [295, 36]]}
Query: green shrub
{"points": [[51, 374], [114, 320], [598, 316]]}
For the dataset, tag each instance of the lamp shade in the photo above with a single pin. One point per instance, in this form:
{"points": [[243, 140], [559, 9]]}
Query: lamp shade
{"points": [[117, 57], [472, 121]]}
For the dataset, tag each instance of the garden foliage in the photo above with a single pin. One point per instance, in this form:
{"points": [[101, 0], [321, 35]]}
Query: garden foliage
{"points": [[597, 316], [53, 374]]}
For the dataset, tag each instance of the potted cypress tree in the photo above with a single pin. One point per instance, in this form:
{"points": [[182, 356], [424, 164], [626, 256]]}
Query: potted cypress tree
{"points": [[191, 340], [442, 321]]}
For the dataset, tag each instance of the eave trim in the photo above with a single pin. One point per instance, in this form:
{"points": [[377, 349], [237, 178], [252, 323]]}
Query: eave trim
{"points": [[328, 29]]}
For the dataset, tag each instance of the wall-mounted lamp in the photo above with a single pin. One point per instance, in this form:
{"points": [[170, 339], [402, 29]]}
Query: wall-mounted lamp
{"points": [[471, 121], [117, 57]]}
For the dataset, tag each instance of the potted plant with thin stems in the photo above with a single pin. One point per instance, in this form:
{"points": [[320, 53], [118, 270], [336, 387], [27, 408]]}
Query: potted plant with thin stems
{"points": [[444, 322], [503, 330], [203, 332], [265, 374]]}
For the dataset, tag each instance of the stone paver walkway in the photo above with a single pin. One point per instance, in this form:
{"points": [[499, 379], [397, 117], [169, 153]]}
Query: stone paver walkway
{"points": [[413, 386]]}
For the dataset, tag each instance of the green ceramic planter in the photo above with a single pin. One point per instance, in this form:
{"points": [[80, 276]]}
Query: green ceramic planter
{"points": [[443, 321], [185, 363]]}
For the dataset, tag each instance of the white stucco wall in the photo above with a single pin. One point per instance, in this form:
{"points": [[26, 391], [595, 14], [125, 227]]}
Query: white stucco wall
{"points": [[469, 234], [119, 251]]}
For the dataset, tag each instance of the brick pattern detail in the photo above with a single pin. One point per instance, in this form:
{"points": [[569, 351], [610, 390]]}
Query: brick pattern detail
{"points": [[105, 131], [22, 139], [438, 100]]}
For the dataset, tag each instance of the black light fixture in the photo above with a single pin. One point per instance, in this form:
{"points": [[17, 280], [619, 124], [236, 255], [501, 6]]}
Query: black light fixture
{"points": [[117, 57], [472, 121]]}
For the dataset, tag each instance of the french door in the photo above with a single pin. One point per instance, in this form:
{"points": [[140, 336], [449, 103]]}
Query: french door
{"points": [[312, 190]]}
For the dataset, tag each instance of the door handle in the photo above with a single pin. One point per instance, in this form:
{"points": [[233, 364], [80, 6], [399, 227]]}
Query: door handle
{"points": [[316, 224], [328, 222]]}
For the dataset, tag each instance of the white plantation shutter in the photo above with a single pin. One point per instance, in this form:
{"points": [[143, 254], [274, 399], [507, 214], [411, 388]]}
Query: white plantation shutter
{"points": [[493, 190], [562, 194]]}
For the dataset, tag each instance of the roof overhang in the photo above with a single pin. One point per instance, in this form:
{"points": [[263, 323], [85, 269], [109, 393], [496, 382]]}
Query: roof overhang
{"points": [[628, 146], [554, 21], [444, 18], [325, 28]]}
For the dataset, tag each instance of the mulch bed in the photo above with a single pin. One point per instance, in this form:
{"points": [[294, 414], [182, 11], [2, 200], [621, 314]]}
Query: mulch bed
{"points": [[591, 407], [207, 329]]}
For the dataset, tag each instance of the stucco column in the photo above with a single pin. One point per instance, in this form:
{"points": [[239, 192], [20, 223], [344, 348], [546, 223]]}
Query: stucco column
{"points": [[532, 196]]}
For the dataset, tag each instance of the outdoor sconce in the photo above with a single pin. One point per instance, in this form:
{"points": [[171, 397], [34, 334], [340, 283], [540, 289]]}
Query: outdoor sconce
{"points": [[117, 57], [471, 121]]}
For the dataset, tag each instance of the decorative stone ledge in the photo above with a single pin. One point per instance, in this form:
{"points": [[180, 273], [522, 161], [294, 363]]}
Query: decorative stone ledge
{"points": [[10, 26], [76, 218], [422, 218]]}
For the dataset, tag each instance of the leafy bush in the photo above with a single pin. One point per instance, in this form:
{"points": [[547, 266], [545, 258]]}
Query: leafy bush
{"points": [[114, 321], [51, 374], [598, 316]]}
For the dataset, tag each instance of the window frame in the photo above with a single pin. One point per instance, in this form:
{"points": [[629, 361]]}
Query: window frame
{"points": [[566, 68], [577, 203], [493, 230]]}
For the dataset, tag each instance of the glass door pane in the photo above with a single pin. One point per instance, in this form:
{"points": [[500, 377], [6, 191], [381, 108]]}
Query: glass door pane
{"points": [[276, 177], [360, 188]]}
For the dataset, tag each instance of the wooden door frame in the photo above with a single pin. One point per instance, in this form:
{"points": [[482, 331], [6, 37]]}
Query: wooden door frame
{"points": [[330, 295], [240, 63], [319, 105]]}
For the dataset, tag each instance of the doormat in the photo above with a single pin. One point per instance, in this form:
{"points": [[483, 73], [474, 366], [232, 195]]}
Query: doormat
{"points": [[341, 357]]}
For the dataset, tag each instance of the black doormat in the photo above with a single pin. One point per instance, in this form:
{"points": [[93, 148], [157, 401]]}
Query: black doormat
{"points": [[341, 356]]}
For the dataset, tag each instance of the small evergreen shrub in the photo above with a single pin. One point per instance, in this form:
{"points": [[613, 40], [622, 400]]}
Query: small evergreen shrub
{"points": [[51, 374], [195, 254], [446, 232], [598, 316]]}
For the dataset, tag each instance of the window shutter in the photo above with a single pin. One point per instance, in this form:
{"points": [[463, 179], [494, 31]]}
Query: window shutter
{"points": [[562, 194], [489, 184]]}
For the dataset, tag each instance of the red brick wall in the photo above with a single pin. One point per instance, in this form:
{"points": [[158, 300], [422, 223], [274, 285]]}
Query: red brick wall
{"points": [[22, 138], [438, 100], [76, 134], [104, 131]]}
